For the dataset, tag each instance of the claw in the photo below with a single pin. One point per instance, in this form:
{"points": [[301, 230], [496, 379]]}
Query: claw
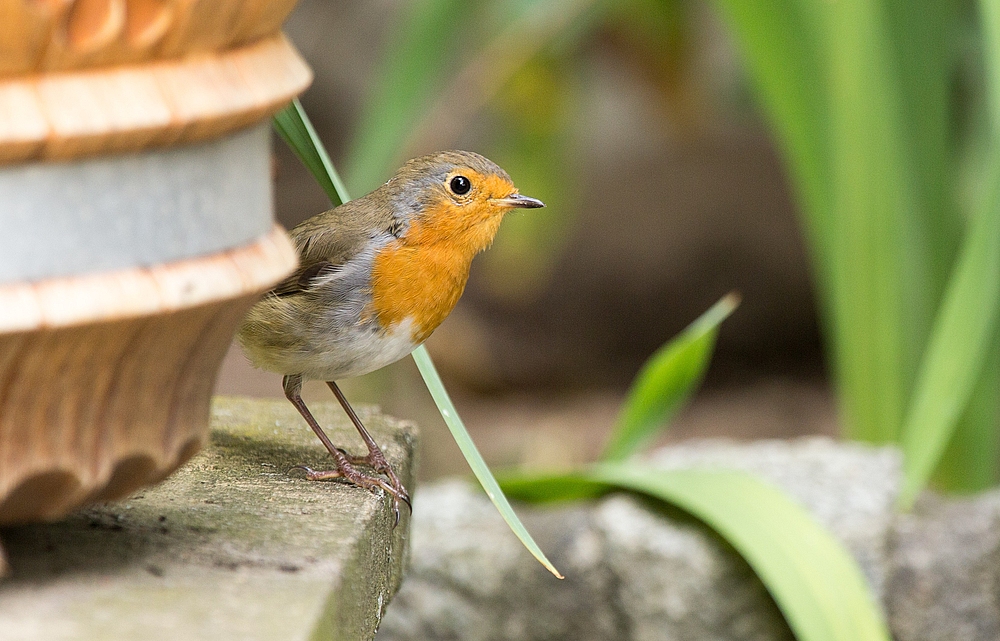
{"points": [[396, 498], [305, 468], [366, 481], [391, 484]]}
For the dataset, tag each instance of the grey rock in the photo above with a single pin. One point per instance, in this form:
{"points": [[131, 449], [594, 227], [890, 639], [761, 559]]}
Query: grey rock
{"points": [[850, 488], [945, 580], [470, 579], [676, 580], [634, 569]]}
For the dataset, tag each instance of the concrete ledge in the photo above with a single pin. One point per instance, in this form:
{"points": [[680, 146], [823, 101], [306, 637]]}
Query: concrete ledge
{"points": [[230, 547]]}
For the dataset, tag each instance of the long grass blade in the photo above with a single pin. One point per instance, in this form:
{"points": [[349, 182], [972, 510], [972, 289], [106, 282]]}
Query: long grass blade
{"points": [[921, 36], [964, 336], [829, 77], [783, 45], [474, 458], [969, 463], [295, 128], [989, 17], [812, 578], [876, 252], [666, 382]]}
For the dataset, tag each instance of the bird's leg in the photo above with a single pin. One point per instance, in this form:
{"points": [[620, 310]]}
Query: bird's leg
{"points": [[292, 385], [375, 457]]}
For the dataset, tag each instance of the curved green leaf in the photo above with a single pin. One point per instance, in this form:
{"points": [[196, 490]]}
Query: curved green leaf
{"points": [[952, 378], [812, 578], [666, 382], [958, 348]]}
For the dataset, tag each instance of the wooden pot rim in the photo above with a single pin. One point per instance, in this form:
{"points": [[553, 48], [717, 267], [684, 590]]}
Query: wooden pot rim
{"points": [[65, 115], [63, 302], [42, 37]]}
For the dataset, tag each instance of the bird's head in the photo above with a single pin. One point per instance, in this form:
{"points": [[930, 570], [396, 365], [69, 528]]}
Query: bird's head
{"points": [[455, 197]]}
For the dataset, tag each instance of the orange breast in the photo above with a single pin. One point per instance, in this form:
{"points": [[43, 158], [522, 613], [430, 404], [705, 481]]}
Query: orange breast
{"points": [[422, 282], [422, 275]]}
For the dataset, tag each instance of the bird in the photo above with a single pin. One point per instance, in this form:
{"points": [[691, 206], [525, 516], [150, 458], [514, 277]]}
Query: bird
{"points": [[376, 276]]}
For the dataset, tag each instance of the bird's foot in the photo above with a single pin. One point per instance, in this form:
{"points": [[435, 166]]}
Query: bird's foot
{"points": [[376, 461], [346, 470]]}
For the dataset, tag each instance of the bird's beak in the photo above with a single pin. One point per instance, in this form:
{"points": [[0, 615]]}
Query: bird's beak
{"points": [[517, 200]]}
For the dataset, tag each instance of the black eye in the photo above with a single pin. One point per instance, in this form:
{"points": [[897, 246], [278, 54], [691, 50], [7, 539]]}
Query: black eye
{"points": [[460, 185]]}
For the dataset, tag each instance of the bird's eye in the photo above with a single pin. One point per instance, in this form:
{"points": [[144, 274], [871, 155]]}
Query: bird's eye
{"points": [[460, 185]]}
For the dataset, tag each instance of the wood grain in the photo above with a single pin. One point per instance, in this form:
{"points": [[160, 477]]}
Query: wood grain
{"points": [[60, 35], [105, 380], [56, 116]]}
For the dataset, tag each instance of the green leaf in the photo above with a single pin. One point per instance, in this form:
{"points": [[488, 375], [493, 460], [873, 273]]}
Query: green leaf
{"points": [[783, 45], [921, 34], [958, 348], [879, 258], [969, 463], [972, 460], [989, 17], [408, 79], [812, 578], [294, 127], [474, 458], [666, 382], [858, 94], [952, 419]]}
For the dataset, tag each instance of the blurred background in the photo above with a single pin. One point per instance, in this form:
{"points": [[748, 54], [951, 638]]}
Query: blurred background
{"points": [[636, 124]]}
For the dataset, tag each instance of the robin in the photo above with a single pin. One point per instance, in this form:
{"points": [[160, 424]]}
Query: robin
{"points": [[376, 276]]}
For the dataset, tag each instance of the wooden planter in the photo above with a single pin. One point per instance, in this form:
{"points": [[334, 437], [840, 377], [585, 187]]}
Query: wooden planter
{"points": [[136, 228]]}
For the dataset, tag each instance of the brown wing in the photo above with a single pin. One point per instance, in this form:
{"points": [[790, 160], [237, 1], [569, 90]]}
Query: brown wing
{"points": [[330, 239]]}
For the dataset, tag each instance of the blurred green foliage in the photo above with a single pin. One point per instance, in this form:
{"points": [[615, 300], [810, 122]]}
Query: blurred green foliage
{"points": [[813, 579], [885, 111], [861, 95], [516, 65]]}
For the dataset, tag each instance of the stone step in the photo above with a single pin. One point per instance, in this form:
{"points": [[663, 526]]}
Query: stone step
{"points": [[232, 546]]}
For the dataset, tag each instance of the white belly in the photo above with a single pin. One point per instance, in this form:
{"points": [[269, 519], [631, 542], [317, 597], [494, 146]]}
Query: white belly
{"points": [[357, 352]]}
